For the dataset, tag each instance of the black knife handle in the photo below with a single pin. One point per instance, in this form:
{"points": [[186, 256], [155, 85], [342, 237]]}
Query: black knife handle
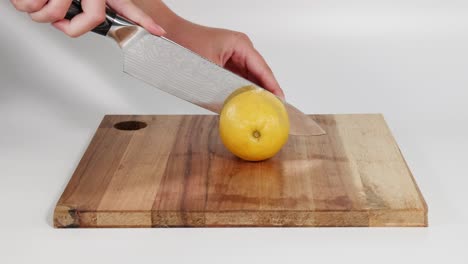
{"points": [[101, 29]]}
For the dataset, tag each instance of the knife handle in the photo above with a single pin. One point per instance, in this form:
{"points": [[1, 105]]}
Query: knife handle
{"points": [[103, 28]]}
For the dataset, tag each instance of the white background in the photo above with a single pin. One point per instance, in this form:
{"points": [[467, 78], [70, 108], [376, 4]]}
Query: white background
{"points": [[406, 59]]}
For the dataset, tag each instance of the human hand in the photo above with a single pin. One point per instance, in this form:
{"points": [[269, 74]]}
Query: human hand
{"points": [[94, 13], [229, 49], [241, 57]]}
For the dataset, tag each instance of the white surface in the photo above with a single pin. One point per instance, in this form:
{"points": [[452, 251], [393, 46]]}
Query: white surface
{"points": [[406, 59]]}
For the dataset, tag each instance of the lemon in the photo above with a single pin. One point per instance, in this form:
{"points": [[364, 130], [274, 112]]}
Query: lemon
{"points": [[253, 124]]}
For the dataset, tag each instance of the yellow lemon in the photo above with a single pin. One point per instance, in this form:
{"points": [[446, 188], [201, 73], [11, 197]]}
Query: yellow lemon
{"points": [[253, 124]]}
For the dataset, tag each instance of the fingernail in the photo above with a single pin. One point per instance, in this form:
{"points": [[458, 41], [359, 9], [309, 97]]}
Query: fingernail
{"points": [[281, 95], [157, 28]]}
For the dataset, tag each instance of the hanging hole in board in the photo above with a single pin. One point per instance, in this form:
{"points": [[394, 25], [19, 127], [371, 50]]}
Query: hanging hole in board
{"points": [[130, 125]]}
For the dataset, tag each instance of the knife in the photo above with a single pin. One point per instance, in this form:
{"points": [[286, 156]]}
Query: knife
{"points": [[176, 70]]}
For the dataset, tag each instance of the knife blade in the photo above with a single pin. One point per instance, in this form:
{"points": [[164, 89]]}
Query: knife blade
{"points": [[180, 72]]}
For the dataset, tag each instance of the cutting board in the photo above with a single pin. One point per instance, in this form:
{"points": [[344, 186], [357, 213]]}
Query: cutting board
{"points": [[173, 171]]}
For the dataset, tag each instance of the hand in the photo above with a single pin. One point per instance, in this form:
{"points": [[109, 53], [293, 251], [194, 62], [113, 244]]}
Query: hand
{"points": [[240, 57], [229, 49], [94, 11]]}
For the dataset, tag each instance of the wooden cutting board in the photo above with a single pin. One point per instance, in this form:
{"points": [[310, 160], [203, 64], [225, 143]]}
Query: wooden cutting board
{"points": [[168, 171]]}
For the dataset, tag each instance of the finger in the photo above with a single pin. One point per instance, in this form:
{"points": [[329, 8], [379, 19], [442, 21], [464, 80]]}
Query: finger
{"points": [[29, 5], [53, 11], [256, 66], [129, 10], [94, 13], [232, 65]]}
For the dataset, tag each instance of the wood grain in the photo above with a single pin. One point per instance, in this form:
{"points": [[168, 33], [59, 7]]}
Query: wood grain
{"points": [[175, 172]]}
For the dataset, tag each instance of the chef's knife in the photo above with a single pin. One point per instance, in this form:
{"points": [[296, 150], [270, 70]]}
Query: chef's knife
{"points": [[176, 70]]}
